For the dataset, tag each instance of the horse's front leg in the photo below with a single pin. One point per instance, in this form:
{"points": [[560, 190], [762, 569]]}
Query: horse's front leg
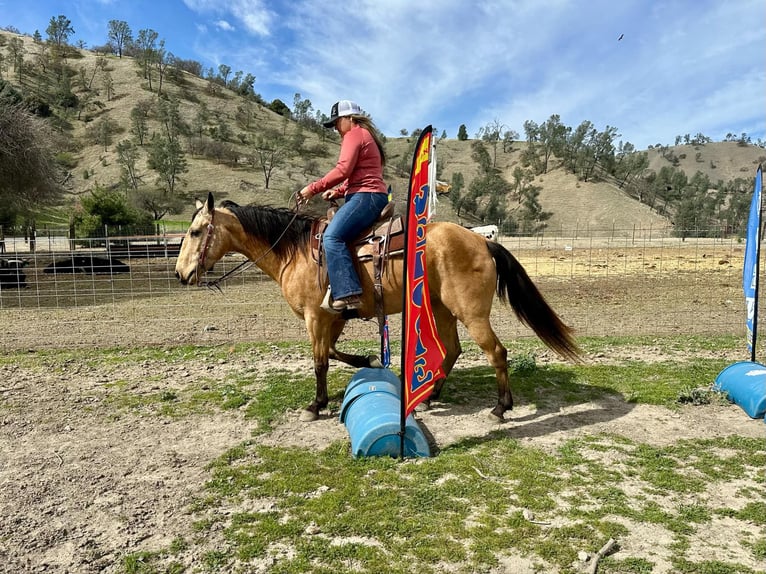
{"points": [[357, 361], [319, 333], [321, 365]]}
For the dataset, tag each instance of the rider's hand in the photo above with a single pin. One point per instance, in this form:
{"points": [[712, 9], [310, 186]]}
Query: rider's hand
{"points": [[304, 195]]}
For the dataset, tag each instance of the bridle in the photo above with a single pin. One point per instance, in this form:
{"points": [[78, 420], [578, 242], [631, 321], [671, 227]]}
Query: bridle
{"points": [[216, 283], [206, 245]]}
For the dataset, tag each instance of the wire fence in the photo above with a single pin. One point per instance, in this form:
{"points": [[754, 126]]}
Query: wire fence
{"points": [[123, 292]]}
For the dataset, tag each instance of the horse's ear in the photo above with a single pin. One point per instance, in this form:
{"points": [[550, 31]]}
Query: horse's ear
{"points": [[210, 201], [198, 204]]}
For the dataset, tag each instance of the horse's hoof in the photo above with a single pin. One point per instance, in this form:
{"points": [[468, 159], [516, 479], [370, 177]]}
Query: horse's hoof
{"points": [[374, 362], [308, 416], [423, 407], [495, 418]]}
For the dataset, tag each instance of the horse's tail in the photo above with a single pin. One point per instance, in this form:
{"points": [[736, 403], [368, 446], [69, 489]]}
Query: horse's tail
{"points": [[515, 286]]}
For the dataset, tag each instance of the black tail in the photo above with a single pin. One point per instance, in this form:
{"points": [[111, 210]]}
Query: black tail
{"points": [[515, 286]]}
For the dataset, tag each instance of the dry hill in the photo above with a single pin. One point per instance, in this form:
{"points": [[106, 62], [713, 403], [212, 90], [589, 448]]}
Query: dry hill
{"points": [[575, 205]]}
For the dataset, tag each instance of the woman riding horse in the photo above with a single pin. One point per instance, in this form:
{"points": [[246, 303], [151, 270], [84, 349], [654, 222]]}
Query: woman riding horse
{"points": [[465, 272]]}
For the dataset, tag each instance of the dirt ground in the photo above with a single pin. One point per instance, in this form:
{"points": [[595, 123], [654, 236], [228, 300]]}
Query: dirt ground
{"points": [[80, 486]]}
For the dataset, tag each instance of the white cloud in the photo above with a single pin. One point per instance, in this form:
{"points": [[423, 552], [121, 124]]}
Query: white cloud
{"points": [[224, 25]]}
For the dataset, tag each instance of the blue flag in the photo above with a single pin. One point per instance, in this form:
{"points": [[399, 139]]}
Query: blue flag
{"points": [[751, 267]]}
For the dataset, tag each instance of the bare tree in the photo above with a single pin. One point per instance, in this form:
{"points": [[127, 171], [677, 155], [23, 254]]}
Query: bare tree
{"points": [[28, 172]]}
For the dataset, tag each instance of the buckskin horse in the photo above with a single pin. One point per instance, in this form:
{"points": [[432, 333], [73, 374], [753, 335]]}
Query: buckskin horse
{"points": [[465, 272]]}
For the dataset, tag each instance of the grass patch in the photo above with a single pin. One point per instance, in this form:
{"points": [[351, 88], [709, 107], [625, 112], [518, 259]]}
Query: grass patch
{"points": [[463, 510], [293, 510]]}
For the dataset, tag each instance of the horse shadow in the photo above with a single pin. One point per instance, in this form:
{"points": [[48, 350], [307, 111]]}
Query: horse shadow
{"points": [[547, 400]]}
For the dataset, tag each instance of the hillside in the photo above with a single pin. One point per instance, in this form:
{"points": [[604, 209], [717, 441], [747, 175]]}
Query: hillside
{"points": [[574, 204]]}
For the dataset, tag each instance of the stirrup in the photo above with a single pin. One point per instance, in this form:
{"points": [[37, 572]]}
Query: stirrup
{"points": [[327, 303]]}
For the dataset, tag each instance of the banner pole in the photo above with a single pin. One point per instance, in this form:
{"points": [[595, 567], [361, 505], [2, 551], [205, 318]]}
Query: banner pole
{"points": [[757, 265]]}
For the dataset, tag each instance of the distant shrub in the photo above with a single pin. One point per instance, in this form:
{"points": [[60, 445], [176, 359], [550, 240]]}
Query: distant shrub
{"points": [[66, 160]]}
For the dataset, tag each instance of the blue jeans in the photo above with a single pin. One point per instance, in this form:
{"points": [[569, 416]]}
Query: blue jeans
{"points": [[358, 213]]}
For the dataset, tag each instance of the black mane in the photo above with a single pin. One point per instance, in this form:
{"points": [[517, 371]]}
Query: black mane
{"points": [[284, 230]]}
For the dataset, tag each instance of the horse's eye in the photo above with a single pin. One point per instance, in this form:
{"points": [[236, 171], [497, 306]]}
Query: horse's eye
{"points": [[195, 233]]}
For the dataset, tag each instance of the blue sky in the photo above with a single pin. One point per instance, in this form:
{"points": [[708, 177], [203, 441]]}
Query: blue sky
{"points": [[681, 67]]}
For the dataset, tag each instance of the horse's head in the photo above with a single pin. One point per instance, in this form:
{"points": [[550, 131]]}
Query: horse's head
{"points": [[203, 243]]}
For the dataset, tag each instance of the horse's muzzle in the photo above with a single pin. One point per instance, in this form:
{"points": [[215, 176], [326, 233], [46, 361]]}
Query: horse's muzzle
{"points": [[188, 279]]}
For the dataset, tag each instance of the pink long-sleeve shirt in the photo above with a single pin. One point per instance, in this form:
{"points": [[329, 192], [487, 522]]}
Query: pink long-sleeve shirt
{"points": [[359, 167]]}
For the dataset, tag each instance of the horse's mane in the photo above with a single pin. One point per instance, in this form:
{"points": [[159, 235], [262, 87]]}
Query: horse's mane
{"points": [[283, 229]]}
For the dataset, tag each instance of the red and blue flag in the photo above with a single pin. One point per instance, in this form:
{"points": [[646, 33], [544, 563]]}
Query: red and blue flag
{"points": [[422, 350]]}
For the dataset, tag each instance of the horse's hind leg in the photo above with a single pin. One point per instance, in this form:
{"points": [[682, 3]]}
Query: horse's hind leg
{"points": [[446, 326], [481, 331], [357, 361]]}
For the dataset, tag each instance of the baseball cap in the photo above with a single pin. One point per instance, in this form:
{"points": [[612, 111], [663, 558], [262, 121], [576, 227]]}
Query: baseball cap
{"points": [[342, 108]]}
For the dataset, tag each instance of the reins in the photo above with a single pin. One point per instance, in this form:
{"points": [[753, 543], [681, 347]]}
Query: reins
{"points": [[242, 267]]}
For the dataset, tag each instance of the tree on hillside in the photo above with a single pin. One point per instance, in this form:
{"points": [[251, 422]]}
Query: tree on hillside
{"points": [[28, 173], [302, 110], [128, 154], [573, 150], [531, 216], [169, 115], [457, 183], [629, 164], [120, 35], [462, 133], [59, 29], [543, 142], [223, 73], [492, 133], [146, 45], [489, 191], [162, 59], [279, 107], [139, 125], [101, 131], [271, 150], [167, 158]]}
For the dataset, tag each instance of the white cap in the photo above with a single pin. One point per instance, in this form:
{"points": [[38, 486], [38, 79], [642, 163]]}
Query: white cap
{"points": [[343, 108]]}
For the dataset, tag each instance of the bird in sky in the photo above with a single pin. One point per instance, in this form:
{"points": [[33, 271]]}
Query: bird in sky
{"points": [[621, 37]]}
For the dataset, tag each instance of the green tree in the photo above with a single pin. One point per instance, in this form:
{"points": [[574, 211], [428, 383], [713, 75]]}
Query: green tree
{"points": [[531, 216], [629, 164], [139, 125], [157, 203], [462, 133], [59, 29], [16, 50], [271, 150], [102, 130], [167, 158], [279, 107], [457, 183], [543, 142], [169, 115], [302, 110], [223, 73], [120, 35], [488, 192], [128, 155], [146, 46], [103, 209]]}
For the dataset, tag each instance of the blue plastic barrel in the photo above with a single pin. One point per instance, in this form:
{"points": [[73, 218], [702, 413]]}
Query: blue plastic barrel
{"points": [[745, 384], [371, 411]]}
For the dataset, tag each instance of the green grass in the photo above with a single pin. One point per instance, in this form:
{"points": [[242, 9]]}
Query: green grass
{"points": [[307, 510]]}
